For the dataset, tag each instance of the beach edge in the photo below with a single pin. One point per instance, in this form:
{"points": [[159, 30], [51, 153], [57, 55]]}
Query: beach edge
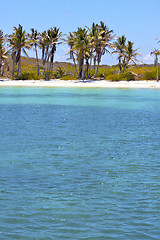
{"points": [[80, 83]]}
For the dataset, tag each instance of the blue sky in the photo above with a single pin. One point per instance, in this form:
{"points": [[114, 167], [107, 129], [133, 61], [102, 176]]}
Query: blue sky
{"points": [[138, 20]]}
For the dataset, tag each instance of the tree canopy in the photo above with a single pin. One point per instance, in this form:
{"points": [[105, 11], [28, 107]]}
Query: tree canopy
{"points": [[87, 46]]}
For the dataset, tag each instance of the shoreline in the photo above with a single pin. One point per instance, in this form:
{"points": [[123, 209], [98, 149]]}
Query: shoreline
{"points": [[80, 83]]}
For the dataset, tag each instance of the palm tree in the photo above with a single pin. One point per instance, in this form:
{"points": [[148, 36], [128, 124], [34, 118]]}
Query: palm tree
{"points": [[84, 47], [130, 56], [119, 47], [93, 36], [42, 45], [156, 52], [101, 40], [48, 43], [81, 48], [127, 54], [3, 54], [3, 60], [34, 42], [131, 53], [18, 42], [70, 42], [78, 42], [54, 36]]}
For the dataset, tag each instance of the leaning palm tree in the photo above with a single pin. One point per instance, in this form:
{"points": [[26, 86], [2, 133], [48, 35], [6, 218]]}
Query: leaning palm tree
{"points": [[3, 54], [127, 54], [18, 42], [3, 60], [70, 42], [131, 54], [34, 43], [156, 52], [119, 48]]}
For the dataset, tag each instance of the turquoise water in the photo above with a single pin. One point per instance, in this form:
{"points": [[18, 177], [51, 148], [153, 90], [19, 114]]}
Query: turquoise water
{"points": [[79, 164]]}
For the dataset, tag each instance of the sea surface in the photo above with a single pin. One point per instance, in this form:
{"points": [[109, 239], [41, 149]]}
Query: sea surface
{"points": [[79, 164]]}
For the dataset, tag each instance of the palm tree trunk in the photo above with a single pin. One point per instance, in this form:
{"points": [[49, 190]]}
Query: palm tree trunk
{"points": [[13, 67], [51, 67], [44, 66], [0, 67], [51, 64], [95, 62], [46, 59], [37, 63], [157, 71], [18, 70], [81, 60], [83, 73], [95, 74], [89, 75], [87, 67], [124, 65], [98, 62], [120, 66], [20, 65], [47, 74], [74, 61]]}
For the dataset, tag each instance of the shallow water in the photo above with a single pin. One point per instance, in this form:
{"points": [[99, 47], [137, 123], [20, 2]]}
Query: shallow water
{"points": [[79, 163]]}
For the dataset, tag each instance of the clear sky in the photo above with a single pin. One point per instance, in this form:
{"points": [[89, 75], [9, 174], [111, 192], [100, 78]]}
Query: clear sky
{"points": [[138, 20]]}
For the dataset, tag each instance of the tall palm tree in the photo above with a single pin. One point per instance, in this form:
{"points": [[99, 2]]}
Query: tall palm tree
{"points": [[156, 53], [131, 55], [3, 54], [127, 54], [120, 46], [78, 42], [70, 42], [101, 40], [18, 42], [54, 36], [48, 43], [42, 45], [3, 60], [34, 42], [88, 44], [81, 47], [93, 36]]}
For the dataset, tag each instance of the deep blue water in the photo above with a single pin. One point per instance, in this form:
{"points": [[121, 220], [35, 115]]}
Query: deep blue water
{"points": [[79, 164]]}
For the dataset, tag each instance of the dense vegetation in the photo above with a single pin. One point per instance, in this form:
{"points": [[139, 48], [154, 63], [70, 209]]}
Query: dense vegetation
{"points": [[87, 46]]}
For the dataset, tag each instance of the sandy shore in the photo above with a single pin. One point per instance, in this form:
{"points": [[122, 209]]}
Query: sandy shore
{"points": [[79, 84]]}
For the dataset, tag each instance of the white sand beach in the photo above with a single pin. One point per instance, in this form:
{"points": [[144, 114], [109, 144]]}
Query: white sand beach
{"points": [[79, 83]]}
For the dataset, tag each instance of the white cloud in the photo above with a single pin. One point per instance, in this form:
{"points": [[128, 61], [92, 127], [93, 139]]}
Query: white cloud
{"points": [[148, 59]]}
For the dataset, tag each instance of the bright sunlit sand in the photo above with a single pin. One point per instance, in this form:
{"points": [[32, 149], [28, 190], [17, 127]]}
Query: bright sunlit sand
{"points": [[80, 83]]}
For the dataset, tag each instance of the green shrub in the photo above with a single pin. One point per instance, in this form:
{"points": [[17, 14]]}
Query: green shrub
{"points": [[118, 77], [113, 77], [69, 77], [149, 75], [104, 72], [59, 72], [127, 76], [28, 76]]}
